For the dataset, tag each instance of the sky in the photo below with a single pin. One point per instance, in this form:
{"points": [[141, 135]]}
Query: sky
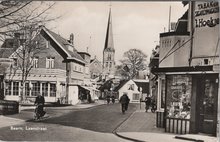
{"points": [[135, 24]]}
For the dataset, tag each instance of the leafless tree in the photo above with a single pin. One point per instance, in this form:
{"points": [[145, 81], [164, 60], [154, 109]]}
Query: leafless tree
{"points": [[133, 62], [16, 15], [26, 19]]}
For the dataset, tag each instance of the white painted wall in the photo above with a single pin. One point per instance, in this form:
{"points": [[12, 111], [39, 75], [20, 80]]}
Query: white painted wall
{"points": [[73, 95], [130, 93]]}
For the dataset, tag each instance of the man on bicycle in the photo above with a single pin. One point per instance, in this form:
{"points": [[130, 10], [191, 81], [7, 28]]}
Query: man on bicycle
{"points": [[39, 101]]}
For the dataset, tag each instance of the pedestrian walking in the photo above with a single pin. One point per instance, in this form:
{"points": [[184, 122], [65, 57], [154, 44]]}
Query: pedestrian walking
{"points": [[113, 99], [108, 99], [147, 103], [124, 100]]}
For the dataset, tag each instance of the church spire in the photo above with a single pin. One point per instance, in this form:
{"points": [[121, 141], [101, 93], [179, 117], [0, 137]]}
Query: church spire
{"points": [[109, 44]]}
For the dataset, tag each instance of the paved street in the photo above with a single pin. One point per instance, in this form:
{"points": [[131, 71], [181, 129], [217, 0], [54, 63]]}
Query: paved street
{"points": [[90, 124]]}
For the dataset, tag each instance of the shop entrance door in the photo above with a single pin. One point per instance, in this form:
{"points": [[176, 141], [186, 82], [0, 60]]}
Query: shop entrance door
{"points": [[207, 95]]}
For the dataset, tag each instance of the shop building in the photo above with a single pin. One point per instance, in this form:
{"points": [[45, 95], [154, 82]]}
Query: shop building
{"points": [[188, 73]]}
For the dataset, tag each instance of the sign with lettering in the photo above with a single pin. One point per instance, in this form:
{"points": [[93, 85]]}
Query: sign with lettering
{"points": [[206, 28]]}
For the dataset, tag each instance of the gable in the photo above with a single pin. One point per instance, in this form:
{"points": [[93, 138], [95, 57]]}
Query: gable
{"points": [[62, 45]]}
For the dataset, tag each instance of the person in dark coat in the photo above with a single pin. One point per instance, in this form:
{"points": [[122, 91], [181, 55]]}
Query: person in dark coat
{"points": [[39, 101], [124, 100], [108, 99], [147, 103]]}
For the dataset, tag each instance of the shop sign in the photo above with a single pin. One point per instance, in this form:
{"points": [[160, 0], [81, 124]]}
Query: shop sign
{"points": [[204, 14], [206, 29]]}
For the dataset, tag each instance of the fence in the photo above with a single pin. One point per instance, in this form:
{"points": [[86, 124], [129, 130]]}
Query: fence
{"points": [[177, 125], [160, 119], [8, 107]]}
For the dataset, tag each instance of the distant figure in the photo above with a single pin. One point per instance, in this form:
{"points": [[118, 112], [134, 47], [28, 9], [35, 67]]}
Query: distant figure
{"points": [[147, 103], [89, 97], [113, 99], [124, 100], [108, 99], [39, 101]]}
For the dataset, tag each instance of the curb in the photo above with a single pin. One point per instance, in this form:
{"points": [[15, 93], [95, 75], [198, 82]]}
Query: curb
{"points": [[188, 139], [127, 138]]}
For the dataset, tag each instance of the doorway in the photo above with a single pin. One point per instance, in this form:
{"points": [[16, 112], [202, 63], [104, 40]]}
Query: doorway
{"points": [[207, 96]]}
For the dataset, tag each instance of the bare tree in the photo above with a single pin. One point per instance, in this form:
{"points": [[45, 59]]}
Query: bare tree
{"points": [[24, 18], [133, 62], [16, 15]]}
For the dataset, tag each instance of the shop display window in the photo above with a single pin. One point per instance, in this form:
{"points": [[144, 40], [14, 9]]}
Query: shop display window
{"points": [[179, 89]]}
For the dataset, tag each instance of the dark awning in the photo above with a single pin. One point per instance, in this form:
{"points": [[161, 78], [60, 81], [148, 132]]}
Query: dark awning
{"points": [[182, 69]]}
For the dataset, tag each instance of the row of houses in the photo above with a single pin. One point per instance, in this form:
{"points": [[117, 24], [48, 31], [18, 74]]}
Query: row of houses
{"points": [[59, 71], [185, 72]]}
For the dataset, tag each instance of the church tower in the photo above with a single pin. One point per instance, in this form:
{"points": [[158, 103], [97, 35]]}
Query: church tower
{"points": [[109, 51]]}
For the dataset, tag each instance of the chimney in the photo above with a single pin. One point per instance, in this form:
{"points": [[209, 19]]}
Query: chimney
{"points": [[71, 38]]}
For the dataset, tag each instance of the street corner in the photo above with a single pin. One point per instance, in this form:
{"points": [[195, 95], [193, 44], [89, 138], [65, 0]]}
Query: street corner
{"points": [[8, 121]]}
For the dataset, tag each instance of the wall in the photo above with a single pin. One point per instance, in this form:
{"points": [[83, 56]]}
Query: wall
{"points": [[73, 95], [130, 93]]}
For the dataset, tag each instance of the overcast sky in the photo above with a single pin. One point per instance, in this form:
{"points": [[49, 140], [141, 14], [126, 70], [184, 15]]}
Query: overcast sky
{"points": [[135, 24]]}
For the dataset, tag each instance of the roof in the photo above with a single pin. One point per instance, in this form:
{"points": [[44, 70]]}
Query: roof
{"points": [[144, 85], [6, 52], [109, 44], [121, 84], [63, 43], [181, 27], [9, 47]]}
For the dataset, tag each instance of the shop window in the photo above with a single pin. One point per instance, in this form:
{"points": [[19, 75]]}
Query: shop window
{"points": [[45, 89], [136, 96], [15, 88], [35, 89], [179, 89], [163, 94], [52, 90]]}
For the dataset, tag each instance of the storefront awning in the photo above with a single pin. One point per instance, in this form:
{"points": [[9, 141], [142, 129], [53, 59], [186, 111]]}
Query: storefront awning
{"points": [[182, 69]]}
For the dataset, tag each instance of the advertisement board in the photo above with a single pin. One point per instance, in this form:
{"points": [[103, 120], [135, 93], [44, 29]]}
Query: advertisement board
{"points": [[206, 29]]}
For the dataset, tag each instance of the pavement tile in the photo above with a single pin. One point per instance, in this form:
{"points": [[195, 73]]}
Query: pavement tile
{"points": [[142, 127]]}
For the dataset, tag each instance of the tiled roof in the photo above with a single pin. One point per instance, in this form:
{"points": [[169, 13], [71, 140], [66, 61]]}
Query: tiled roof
{"points": [[64, 43], [6, 52]]}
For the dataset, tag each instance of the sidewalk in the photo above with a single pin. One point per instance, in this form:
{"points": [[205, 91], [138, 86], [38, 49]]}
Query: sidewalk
{"points": [[141, 126]]}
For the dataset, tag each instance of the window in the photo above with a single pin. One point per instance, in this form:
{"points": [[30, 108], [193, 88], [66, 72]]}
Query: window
{"points": [[179, 90], [8, 89], [27, 90], [15, 88], [136, 96], [34, 62], [45, 89], [15, 61], [50, 62], [47, 44], [106, 65], [36, 89], [110, 65], [131, 87], [53, 90]]}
